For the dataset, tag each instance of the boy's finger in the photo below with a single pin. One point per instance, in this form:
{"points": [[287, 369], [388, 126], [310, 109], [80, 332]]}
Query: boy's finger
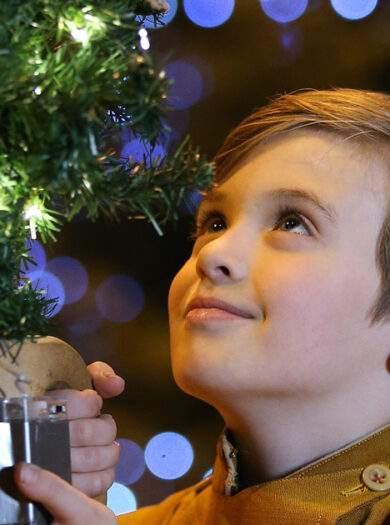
{"points": [[104, 379], [93, 459], [67, 505], [92, 432], [86, 403], [94, 483]]}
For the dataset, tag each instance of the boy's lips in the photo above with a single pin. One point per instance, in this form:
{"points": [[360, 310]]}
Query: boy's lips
{"points": [[213, 309]]}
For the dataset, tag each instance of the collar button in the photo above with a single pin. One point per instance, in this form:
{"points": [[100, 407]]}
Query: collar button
{"points": [[376, 477]]}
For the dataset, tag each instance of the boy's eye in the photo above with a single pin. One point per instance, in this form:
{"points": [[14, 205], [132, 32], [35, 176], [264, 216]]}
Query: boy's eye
{"points": [[216, 225], [292, 221], [210, 224]]}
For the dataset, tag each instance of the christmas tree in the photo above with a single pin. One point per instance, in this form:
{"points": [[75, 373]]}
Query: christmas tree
{"points": [[73, 75]]}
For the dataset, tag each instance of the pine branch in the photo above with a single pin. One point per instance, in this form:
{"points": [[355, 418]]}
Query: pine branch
{"points": [[73, 76]]}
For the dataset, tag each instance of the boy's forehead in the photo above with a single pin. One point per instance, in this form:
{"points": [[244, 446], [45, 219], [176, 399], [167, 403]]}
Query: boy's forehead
{"points": [[307, 166]]}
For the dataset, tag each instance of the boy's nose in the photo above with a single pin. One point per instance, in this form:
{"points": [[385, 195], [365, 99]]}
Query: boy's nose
{"points": [[219, 264]]}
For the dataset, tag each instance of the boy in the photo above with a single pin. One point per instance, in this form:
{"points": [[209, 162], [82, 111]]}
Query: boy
{"points": [[279, 320]]}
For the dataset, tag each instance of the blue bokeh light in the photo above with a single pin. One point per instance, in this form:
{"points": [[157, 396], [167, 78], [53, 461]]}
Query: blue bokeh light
{"points": [[98, 346], [291, 39], [51, 286], [284, 11], [188, 84], [208, 13], [121, 499], [83, 317], [354, 9], [207, 73], [287, 39], [190, 202], [169, 455], [208, 473], [72, 275], [168, 17], [178, 122], [36, 251], [131, 464], [137, 149], [119, 298]]}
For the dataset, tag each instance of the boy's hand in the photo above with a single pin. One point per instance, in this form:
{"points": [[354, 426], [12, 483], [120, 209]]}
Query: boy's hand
{"points": [[67, 505], [104, 380], [94, 452]]}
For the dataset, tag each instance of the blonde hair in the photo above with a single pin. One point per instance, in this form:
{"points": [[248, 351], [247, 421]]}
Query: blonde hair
{"points": [[358, 115]]}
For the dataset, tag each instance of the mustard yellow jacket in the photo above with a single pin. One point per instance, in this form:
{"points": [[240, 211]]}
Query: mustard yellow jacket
{"points": [[351, 486]]}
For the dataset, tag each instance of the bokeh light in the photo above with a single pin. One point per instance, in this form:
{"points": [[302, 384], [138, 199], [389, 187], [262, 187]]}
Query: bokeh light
{"points": [[284, 11], [121, 499], [72, 275], [51, 286], [354, 9], [137, 149], [169, 455], [207, 73], [168, 17], [83, 317], [291, 39], [208, 13], [178, 122], [190, 202], [144, 39], [97, 346], [207, 473], [131, 464], [119, 298], [188, 84], [36, 251]]}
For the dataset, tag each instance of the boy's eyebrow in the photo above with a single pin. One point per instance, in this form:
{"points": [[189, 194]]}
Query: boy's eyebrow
{"points": [[292, 193], [287, 193]]}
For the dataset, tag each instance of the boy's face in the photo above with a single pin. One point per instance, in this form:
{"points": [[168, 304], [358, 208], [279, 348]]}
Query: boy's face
{"points": [[290, 242]]}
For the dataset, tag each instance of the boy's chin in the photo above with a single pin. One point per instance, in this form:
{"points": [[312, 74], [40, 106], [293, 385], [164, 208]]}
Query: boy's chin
{"points": [[214, 387], [200, 383]]}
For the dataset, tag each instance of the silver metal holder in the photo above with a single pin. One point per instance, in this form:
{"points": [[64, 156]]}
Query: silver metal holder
{"points": [[33, 430]]}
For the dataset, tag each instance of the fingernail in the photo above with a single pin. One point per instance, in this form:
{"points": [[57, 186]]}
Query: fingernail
{"points": [[117, 444], [109, 374], [28, 473]]}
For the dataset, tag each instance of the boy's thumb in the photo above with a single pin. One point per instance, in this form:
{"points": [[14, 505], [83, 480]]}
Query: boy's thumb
{"points": [[105, 381], [67, 505]]}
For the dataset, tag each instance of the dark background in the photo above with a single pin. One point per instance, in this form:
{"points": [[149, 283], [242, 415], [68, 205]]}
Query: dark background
{"points": [[245, 61]]}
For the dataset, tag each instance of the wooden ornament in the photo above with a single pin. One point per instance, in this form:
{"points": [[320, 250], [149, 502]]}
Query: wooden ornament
{"points": [[50, 364]]}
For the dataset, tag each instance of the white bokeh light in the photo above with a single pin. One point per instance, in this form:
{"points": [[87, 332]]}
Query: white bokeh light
{"points": [[80, 35], [169, 455], [121, 499], [144, 39]]}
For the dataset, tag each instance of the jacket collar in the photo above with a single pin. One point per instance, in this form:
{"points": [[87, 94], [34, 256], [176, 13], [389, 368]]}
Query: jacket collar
{"points": [[372, 448]]}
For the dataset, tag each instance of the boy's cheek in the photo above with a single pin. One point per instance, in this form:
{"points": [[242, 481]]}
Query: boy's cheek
{"points": [[180, 289], [322, 311]]}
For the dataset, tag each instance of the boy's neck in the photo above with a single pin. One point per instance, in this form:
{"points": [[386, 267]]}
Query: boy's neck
{"points": [[276, 438]]}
